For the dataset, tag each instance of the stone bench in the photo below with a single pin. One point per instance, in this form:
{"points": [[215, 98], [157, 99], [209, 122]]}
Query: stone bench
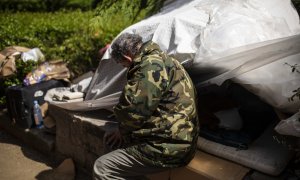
{"points": [[43, 142], [79, 136]]}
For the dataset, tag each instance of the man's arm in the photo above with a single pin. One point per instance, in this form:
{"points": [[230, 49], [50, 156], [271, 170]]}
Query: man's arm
{"points": [[141, 94]]}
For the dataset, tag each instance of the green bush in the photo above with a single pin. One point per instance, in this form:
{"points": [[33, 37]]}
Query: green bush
{"points": [[73, 36], [112, 16], [79, 4], [59, 35], [44, 5]]}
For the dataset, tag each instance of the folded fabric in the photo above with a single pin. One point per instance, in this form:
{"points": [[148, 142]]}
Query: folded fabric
{"points": [[72, 95], [72, 100], [63, 95]]}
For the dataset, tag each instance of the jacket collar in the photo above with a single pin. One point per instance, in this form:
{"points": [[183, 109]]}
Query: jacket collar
{"points": [[147, 48]]}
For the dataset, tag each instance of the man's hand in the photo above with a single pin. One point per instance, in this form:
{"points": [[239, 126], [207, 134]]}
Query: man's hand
{"points": [[113, 139]]}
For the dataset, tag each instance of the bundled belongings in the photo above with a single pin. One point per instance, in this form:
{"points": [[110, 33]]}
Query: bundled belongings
{"points": [[75, 93], [8, 57], [46, 71], [20, 100]]}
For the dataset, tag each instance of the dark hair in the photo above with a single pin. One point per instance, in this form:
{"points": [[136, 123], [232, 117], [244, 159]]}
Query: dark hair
{"points": [[126, 44]]}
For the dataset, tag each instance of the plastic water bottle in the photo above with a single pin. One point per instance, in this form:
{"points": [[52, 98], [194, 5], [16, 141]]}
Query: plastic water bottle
{"points": [[38, 118]]}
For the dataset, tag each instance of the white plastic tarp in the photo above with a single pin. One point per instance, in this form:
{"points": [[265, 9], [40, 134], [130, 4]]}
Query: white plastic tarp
{"points": [[247, 40]]}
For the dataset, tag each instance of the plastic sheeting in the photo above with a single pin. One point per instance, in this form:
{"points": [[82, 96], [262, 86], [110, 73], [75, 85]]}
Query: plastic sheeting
{"points": [[249, 41], [261, 68]]}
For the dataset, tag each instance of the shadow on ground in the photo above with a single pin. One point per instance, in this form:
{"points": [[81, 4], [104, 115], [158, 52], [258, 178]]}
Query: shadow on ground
{"points": [[16, 154]]}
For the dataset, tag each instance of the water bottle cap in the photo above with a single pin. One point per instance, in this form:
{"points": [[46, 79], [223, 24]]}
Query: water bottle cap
{"points": [[35, 102]]}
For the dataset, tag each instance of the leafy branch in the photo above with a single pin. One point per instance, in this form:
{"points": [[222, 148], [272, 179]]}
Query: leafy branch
{"points": [[296, 94], [295, 68]]}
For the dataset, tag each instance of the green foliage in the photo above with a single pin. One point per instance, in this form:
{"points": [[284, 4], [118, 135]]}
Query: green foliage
{"points": [[59, 35], [112, 16], [73, 36], [79, 4], [44, 5], [295, 69], [22, 5]]}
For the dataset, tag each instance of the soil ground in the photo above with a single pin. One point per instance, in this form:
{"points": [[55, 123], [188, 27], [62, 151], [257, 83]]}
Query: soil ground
{"points": [[19, 161]]}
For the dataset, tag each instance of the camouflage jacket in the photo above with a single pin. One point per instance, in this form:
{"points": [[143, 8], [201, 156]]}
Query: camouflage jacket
{"points": [[157, 109]]}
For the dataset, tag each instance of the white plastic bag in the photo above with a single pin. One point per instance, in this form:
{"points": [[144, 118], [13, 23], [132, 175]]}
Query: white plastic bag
{"points": [[34, 54], [290, 126]]}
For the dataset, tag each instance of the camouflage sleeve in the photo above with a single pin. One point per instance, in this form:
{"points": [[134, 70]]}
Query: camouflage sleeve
{"points": [[141, 94]]}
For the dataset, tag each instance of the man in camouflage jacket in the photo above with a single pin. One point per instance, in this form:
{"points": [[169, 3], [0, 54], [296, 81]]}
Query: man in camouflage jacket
{"points": [[157, 113]]}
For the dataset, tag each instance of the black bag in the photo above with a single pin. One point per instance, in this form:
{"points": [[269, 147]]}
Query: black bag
{"points": [[20, 100]]}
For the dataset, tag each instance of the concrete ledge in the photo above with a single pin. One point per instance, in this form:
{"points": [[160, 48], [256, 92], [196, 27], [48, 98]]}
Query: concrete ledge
{"points": [[36, 138], [79, 134]]}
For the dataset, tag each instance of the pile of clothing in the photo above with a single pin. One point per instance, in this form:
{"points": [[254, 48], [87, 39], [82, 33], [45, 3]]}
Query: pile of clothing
{"points": [[74, 93]]}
